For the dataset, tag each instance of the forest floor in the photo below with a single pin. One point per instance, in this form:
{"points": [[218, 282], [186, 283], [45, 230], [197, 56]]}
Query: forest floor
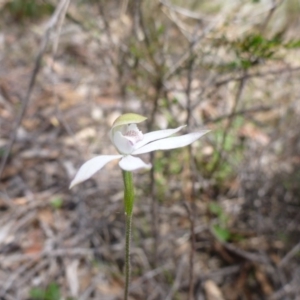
{"points": [[238, 234]]}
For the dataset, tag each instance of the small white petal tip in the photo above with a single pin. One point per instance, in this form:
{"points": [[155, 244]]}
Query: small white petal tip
{"points": [[72, 184]]}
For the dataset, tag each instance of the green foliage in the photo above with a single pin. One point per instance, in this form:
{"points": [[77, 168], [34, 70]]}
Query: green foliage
{"points": [[57, 202], [160, 30], [257, 46], [52, 292], [251, 50], [227, 155], [225, 169], [294, 44], [165, 166], [219, 230], [168, 163], [217, 210], [282, 236], [21, 10], [2, 151], [221, 233], [168, 276], [160, 180]]}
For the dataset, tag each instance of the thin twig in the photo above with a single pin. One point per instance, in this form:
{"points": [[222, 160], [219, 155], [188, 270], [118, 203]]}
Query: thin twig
{"points": [[185, 55], [124, 7], [183, 11], [258, 74], [177, 280], [51, 253], [290, 255], [254, 257], [14, 276], [291, 288], [192, 251], [60, 116], [270, 14], [43, 45], [192, 191], [239, 112], [241, 86], [150, 274], [154, 210]]}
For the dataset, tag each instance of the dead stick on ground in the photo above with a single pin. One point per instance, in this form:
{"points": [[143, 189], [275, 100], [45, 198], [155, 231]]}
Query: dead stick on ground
{"points": [[290, 255], [53, 21], [177, 280]]}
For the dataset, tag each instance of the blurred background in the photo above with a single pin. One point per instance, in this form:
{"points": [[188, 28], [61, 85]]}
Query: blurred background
{"points": [[218, 220]]}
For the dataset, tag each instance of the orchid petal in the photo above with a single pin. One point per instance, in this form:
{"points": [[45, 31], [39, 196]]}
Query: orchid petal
{"points": [[123, 144], [156, 135], [89, 168], [171, 143], [131, 163]]}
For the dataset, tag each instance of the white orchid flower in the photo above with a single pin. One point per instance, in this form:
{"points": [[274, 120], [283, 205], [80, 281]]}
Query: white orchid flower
{"points": [[130, 141]]}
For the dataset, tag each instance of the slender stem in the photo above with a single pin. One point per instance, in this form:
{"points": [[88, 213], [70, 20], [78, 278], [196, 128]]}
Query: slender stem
{"points": [[191, 209], [128, 206], [128, 192], [127, 255], [191, 212], [154, 212]]}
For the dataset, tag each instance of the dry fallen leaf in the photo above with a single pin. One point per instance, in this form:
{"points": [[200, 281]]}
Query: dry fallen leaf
{"points": [[264, 281], [212, 291], [254, 133], [72, 277]]}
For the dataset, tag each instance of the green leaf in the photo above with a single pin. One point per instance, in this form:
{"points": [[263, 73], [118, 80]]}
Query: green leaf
{"points": [[293, 44], [57, 202], [221, 233], [52, 292], [37, 293], [161, 29], [215, 208]]}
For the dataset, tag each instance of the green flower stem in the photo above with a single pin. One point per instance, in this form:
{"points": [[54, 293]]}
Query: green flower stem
{"points": [[128, 192], [128, 205], [127, 255]]}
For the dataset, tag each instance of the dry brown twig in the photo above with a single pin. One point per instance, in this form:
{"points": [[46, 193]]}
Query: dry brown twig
{"points": [[242, 112], [289, 289], [192, 250], [177, 280], [294, 251], [237, 99], [183, 11], [192, 208], [60, 22], [253, 257], [14, 277], [57, 16], [275, 72], [52, 253], [270, 14]]}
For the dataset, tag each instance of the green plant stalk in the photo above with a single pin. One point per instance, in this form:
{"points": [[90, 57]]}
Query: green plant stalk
{"points": [[128, 206]]}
